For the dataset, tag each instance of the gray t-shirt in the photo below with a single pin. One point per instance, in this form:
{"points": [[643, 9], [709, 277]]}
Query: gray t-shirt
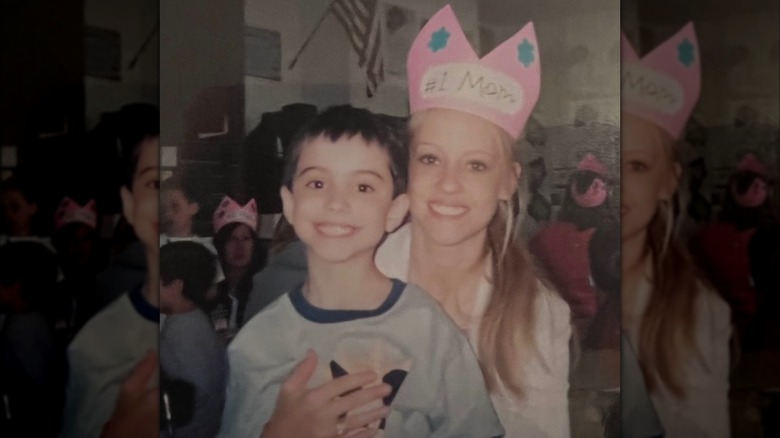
{"points": [[101, 356], [408, 341], [191, 350]]}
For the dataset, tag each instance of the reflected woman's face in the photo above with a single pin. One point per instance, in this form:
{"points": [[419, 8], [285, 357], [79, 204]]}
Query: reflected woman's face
{"points": [[649, 173]]}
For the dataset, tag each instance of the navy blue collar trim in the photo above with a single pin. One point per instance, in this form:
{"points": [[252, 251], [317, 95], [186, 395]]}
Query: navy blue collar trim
{"points": [[316, 314], [142, 306]]}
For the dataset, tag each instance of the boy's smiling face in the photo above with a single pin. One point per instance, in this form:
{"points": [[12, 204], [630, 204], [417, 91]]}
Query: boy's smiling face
{"points": [[341, 202]]}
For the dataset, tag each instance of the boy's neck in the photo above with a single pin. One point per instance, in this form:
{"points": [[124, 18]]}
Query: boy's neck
{"points": [[356, 284], [151, 289], [21, 231], [181, 233]]}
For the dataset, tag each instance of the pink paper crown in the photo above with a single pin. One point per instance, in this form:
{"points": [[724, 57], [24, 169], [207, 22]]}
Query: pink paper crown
{"points": [[229, 211], [663, 87], [445, 72], [69, 212], [751, 163], [590, 162]]}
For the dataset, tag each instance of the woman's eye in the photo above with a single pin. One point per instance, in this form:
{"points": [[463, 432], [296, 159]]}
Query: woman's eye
{"points": [[478, 166], [637, 166], [316, 184], [428, 159], [365, 188], [155, 184]]}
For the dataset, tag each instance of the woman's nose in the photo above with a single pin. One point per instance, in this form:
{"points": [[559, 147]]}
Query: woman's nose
{"points": [[449, 180]]}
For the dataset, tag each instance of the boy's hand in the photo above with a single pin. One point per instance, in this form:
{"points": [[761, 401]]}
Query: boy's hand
{"points": [[320, 412], [137, 411]]}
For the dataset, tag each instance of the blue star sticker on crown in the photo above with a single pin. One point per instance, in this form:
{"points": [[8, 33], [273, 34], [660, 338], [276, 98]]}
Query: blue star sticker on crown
{"points": [[525, 53], [439, 39], [685, 53]]}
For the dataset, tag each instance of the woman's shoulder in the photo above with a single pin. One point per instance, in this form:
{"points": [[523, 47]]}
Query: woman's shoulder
{"points": [[551, 309], [712, 310]]}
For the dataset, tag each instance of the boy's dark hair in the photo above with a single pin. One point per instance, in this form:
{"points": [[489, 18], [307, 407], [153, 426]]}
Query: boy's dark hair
{"points": [[192, 263], [23, 184], [388, 132], [137, 122]]}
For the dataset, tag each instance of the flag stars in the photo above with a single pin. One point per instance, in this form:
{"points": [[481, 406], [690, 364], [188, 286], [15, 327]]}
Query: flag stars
{"points": [[439, 39], [525, 53]]}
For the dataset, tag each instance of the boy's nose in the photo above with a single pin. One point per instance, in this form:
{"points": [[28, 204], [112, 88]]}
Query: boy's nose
{"points": [[337, 202]]}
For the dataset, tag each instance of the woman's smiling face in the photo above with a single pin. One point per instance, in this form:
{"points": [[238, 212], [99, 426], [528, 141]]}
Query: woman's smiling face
{"points": [[649, 173], [460, 168]]}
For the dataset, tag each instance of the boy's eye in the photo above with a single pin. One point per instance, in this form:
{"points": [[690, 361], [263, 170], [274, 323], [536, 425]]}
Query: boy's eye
{"points": [[478, 166], [316, 184], [155, 184], [365, 188], [428, 159]]}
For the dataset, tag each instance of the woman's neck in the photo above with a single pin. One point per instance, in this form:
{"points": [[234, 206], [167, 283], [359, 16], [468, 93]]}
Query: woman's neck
{"points": [[356, 284], [445, 270]]}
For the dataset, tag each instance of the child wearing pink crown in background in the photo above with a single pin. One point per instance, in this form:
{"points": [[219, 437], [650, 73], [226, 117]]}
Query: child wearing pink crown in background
{"points": [[237, 244], [76, 241], [675, 322], [461, 245]]}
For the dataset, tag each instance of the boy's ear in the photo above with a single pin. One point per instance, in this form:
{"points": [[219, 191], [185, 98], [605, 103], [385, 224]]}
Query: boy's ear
{"points": [[33, 208], [509, 187], [397, 213], [288, 207], [127, 204], [193, 208]]}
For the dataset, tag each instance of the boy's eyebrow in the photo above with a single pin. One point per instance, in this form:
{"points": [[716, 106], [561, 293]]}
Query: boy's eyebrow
{"points": [[308, 169], [147, 169], [370, 172]]}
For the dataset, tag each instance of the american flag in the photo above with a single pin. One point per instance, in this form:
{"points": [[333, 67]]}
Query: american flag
{"points": [[360, 19]]}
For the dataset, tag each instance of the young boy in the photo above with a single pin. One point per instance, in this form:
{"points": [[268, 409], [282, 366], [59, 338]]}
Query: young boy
{"points": [[112, 383], [178, 212], [191, 351], [343, 191]]}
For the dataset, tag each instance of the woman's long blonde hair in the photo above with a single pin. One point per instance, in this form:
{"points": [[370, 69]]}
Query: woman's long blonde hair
{"points": [[667, 327], [507, 327]]}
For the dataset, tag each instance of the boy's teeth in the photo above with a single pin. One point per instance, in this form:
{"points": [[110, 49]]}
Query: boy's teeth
{"points": [[446, 210]]}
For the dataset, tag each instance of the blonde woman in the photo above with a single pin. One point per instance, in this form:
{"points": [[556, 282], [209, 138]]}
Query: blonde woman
{"points": [[678, 326]]}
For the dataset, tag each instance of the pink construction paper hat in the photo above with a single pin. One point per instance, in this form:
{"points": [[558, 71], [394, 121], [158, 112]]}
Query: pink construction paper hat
{"points": [[445, 72], [230, 211], [751, 163], [69, 212], [590, 162], [663, 87]]}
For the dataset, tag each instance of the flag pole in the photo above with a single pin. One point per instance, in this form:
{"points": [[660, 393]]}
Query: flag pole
{"points": [[311, 34], [143, 46]]}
